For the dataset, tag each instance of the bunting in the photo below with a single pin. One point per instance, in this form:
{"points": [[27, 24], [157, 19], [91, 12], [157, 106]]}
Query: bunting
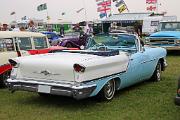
{"points": [[151, 5], [103, 8]]}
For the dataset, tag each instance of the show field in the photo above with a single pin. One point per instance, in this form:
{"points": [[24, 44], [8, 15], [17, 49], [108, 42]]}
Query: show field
{"points": [[147, 100]]}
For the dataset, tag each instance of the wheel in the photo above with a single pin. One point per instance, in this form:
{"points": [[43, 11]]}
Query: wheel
{"points": [[69, 45], [3, 78], [157, 73], [107, 92]]}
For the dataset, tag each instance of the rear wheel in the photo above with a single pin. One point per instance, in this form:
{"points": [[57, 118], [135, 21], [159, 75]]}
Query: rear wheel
{"points": [[108, 91], [157, 73], [3, 78]]}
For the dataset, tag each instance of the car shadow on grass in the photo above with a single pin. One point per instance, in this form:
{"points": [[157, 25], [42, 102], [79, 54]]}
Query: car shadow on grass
{"points": [[70, 103]]}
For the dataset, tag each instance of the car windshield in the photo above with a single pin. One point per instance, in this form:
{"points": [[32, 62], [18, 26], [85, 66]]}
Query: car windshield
{"points": [[40, 42], [114, 41], [169, 26], [25, 43]]}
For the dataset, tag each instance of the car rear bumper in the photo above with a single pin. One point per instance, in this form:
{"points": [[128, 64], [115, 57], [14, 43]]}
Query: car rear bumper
{"points": [[77, 91], [177, 100]]}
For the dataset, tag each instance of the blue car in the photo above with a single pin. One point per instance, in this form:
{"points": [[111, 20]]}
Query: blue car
{"points": [[53, 37], [109, 62]]}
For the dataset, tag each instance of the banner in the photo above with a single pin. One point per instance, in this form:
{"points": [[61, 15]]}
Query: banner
{"points": [[42, 7]]}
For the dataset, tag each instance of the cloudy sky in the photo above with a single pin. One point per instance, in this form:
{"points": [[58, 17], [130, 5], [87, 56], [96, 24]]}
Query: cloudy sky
{"points": [[56, 7]]}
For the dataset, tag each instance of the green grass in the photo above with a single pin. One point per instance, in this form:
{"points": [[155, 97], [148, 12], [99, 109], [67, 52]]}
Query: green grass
{"points": [[144, 101]]}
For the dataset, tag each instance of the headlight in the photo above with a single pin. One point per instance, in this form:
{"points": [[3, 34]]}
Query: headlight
{"points": [[147, 41], [177, 41]]}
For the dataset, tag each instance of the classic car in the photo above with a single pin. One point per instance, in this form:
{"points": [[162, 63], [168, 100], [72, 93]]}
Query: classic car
{"points": [[53, 37], [108, 63], [16, 44], [168, 36], [73, 40], [177, 98]]}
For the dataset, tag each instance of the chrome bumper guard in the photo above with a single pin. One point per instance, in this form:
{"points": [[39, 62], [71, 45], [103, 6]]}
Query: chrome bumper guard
{"points": [[177, 100], [76, 91]]}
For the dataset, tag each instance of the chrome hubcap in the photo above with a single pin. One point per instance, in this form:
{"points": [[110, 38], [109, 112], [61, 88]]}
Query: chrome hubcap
{"points": [[109, 89]]}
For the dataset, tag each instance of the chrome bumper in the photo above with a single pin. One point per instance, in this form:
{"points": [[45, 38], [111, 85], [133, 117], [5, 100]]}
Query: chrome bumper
{"points": [[177, 100], [76, 91]]}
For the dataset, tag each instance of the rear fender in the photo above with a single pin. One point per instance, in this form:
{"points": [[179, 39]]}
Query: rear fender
{"points": [[101, 82]]}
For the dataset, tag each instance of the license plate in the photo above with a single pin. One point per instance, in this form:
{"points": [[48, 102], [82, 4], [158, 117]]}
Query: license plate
{"points": [[44, 89]]}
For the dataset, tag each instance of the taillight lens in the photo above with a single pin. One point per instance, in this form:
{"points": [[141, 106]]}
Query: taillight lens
{"points": [[79, 68]]}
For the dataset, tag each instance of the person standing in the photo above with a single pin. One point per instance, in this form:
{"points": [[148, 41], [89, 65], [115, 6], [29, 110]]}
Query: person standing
{"points": [[31, 26]]}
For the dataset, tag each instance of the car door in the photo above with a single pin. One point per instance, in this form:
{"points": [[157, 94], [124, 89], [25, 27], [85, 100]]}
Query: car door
{"points": [[134, 71]]}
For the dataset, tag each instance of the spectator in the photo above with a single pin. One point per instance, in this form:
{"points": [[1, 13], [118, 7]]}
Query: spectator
{"points": [[31, 26], [5, 27], [22, 29], [62, 30]]}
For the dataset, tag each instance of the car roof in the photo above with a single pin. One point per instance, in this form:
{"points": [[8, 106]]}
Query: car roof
{"points": [[12, 34]]}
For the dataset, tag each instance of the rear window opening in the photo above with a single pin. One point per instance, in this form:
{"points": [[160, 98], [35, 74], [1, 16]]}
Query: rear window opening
{"points": [[6, 45]]}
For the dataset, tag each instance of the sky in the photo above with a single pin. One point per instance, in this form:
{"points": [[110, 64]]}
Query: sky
{"points": [[57, 7]]}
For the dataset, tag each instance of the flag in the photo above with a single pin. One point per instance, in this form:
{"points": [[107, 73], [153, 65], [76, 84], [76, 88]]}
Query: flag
{"points": [[122, 8], [42, 7], [119, 3], [63, 13], [78, 11], [151, 8], [48, 18], [151, 1], [102, 15], [13, 13]]}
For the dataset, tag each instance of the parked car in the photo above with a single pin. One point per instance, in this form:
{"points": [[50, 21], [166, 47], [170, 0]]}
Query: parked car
{"points": [[73, 40], [16, 44], [168, 36], [177, 98], [53, 37], [109, 63]]}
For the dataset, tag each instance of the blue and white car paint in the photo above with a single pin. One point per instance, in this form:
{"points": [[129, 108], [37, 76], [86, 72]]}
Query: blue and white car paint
{"points": [[110, 62], [168, 36]]}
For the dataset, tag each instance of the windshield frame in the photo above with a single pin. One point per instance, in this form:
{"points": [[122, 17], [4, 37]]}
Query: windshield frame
{"points": [[123, 48]]}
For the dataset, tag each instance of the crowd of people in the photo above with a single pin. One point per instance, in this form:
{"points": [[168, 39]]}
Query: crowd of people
{"points": [[31, 27]]}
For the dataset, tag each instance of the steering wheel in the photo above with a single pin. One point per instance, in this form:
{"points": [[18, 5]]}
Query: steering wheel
{"points": [[100, 46]]}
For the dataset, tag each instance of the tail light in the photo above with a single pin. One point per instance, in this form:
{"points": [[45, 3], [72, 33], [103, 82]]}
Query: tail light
{"points": [[19, 53], [79, 68]]}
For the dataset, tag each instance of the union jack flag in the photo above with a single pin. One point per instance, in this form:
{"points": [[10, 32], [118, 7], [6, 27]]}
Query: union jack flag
{"points": [[151, 1], [151, 8]]}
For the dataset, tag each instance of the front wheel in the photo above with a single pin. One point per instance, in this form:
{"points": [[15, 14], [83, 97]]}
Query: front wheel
{"points": [[108, 91], [157, 73]]}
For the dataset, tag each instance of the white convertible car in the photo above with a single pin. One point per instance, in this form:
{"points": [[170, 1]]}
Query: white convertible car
{"points": [[109, 63]]}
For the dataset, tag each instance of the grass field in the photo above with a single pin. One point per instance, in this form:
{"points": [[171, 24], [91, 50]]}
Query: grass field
{"points": [[144, 101]]}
